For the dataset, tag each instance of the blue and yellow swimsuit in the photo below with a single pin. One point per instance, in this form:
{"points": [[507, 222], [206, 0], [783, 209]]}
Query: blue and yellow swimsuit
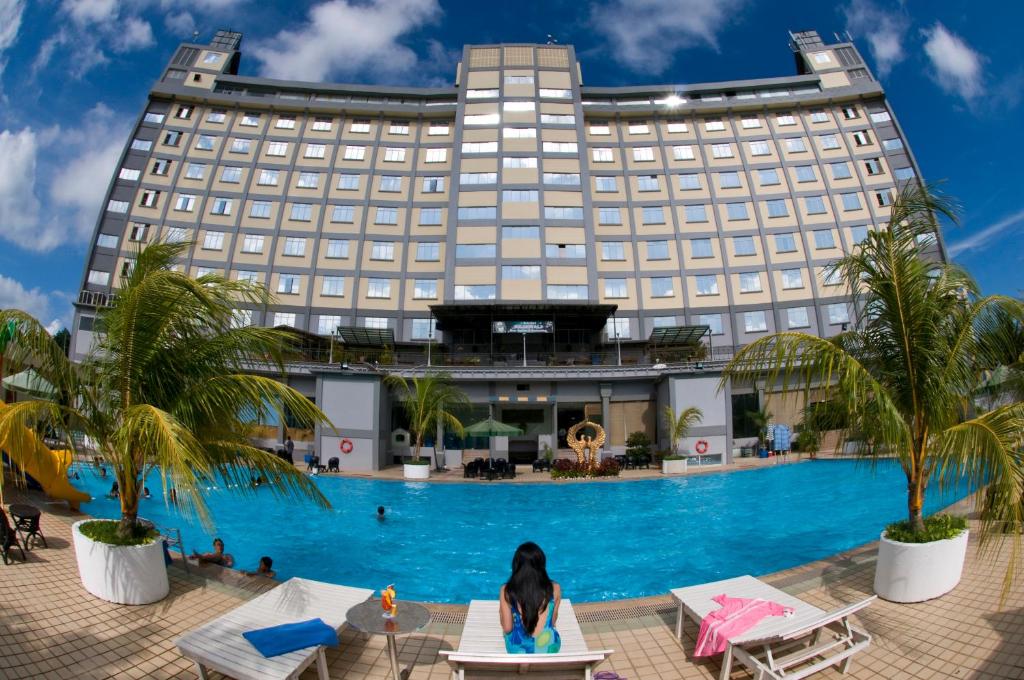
{"points": [[519, 641]]}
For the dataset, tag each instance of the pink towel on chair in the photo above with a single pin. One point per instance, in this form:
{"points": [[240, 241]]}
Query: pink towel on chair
{"points": [[737, 616]]}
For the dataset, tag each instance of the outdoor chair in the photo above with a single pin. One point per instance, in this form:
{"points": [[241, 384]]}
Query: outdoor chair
{"points": [[8, 539], [334, 464], [541, 464], [510, 471], [623, 461], [642, 460], [313, 464], [778, 647], [470, 469], [488, 469], [28, 528]]}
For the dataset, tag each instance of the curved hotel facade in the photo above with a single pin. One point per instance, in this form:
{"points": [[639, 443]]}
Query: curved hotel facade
{"points": [[563, 250]]}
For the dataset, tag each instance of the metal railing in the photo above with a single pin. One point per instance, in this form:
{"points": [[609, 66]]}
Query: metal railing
{"points": [[92, 298]]}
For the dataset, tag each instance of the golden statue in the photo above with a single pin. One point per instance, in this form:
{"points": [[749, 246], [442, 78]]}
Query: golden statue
{"points": [[588, 450]]}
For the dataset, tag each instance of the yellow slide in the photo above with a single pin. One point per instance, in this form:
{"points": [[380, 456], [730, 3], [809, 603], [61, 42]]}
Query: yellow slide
{"points": [[49, 468]]}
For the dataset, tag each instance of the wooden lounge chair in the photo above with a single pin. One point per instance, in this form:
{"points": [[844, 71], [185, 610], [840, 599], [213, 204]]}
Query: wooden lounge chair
{"points": [[219, 645], [482, 646], [778, 647]]}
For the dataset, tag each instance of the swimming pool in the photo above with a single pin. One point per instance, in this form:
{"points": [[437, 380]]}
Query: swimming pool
{"points": [[452, 542]]}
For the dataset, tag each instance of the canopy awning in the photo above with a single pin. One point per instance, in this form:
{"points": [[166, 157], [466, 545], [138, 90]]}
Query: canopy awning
{"points": [[359, 336], [678, 335], [31, 383], [492, 428], [580, 315]]}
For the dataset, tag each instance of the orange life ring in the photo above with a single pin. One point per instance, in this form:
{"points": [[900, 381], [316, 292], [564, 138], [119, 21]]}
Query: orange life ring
{"points": [[702, 446], [345, 446]]}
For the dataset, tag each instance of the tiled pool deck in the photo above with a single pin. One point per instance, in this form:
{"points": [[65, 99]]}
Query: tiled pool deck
{"points": [[51, 628]]}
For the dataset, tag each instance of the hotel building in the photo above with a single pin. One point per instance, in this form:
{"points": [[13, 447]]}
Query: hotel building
{"points": [[639, 234]]}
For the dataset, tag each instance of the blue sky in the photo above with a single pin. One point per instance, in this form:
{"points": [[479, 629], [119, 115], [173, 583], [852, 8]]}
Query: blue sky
{"points": [[74, 74]]}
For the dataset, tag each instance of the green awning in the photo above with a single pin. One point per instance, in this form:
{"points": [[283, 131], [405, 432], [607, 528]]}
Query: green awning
{"points": [[31, 383], [492, 428], [678, 335]]}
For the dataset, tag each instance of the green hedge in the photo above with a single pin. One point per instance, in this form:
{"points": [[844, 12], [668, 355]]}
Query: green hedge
{"points": [[936, 528], [105, 531]]}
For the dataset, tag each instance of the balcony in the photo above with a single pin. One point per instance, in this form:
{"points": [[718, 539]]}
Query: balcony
{"points": [[90, 298]]}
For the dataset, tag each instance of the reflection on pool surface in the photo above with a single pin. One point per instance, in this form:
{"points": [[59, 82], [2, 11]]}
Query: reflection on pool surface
{"points": [[451, 542]]}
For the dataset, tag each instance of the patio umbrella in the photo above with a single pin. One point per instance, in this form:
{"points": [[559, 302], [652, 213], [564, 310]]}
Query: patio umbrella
{"points": [[492, 428], [31, 383]]}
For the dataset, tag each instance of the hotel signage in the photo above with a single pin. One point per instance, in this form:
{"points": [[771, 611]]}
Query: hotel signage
{"points": [[523, 327]]}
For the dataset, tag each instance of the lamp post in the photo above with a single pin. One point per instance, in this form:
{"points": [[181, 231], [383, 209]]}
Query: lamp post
{"points": [[430, 341]]}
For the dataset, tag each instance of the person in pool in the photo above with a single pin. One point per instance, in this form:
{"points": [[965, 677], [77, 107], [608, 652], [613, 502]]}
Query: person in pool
{"points": [[216, 557], [114, 491], [380, 512], [266, 568], [529, 602]]}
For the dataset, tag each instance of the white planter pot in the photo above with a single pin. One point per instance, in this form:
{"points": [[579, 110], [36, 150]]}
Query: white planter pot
{"points": [[416, 471], [125, 574], [915, 572], [673, 467]]}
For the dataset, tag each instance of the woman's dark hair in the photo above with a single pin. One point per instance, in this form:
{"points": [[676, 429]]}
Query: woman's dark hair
{"points": [[267, 561], [216, 541], [529, 586]]}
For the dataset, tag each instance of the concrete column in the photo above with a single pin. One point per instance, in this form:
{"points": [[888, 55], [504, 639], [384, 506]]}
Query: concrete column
{"points": [[606, 412]]}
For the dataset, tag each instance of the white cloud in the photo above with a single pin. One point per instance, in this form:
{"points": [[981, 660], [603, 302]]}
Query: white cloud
{"points": [[134, 34], [885, 32], [180, 24], [957, 67], [19, 207], [645, 34], [982, 237], [50, 309], [85, 12], [10, 21], [341, 38]]}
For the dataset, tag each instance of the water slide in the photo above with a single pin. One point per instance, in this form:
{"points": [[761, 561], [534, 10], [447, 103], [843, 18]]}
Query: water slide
{"points": [[49, 468]]}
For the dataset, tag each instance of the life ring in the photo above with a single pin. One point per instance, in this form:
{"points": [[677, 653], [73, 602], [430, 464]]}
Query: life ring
{"points": [[701, 446], [345, 446]]}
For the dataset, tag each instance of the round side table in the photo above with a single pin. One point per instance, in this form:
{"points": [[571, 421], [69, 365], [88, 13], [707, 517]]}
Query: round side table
{"points": [[368, 617]]}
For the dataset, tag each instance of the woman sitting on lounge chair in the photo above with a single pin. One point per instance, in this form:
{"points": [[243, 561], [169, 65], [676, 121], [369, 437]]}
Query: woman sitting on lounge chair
{"points": [[529, 604]]}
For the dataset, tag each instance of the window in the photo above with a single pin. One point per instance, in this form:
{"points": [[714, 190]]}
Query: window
{"points": [[555, 94], [382, 250], [768, 177], [430, 217], [301, 212], [760, 148], [519, 162], [437, 129], [308, 180], [880, 117], [676, 127], [478, 178], [519, 133], [743, 246], [824, 239], [359, 126], [754, 322], [892, 144], [390, 183], [785, 119], [436, 155], [564, 250], [184, 112], [884, 198], [394, 154], [343, 213], [785, 243], [701, 248], [617, 328], [819, 116], [162, 167], [602, 155], [519, 80], [106, 241], [230, 175], [851, 113], [475, 250], [328, 324], [277, 148], [259, 209], [315, 151], [829, 142], [707, 284], [146, 145], [481, 94], [600, 129], [683, 152], [386, 215], [904, 174], [858, 234], [428, 252], [838, 313], [861, 138], [129, 174], [557, 119], [714, 125], [661, 286], [560, 213], [647, 183], [322, 125], [721, 150], [750, 122], [805, 173], [250, 120], [285, 123], [815, 205], [566, 178], [712, 321], [252, 243], [377, 322], [736, 211], [729, 180], [205, 142], [615, 288], [425, 289], [478, 292], [613, 251], [152, 117], [792, 278], [98, 278], [605, 184], [796, 145], [796, 317], [295, 247], [654, 214], [520, 233], [560, 147], [638, 128], [268, 178], [348, 182], [519, 196], [281, 319], [239, 145], [840, 170], [185, 202], [478, 213], [221, 206], [832, 277], [172, 138], [657, 250], [821, 58], [355, 153], [378, 288], [567, 292], [176, 235], [777, 208], [518, 106], [690, 182], [873, 166], [696, 213], [520, 272], [851, 201], [609, 216], [423, 329], [336, 249]]}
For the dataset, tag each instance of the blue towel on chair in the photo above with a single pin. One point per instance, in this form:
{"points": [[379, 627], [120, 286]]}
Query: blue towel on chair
{"points": [[288, 637]]}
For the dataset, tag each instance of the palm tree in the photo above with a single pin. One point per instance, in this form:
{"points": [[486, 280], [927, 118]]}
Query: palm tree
{"points": [[760, 419], [905, 375], [428, 402], [679, 425], [166, 386]]}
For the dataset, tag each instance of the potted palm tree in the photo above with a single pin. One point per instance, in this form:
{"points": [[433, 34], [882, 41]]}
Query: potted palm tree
{"points": [[428, 402], [904, 376], [161, 392], [678, 427]]}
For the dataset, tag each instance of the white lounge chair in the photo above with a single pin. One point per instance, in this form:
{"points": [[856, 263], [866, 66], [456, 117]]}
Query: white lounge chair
{"points": [[219, 645], [778, 647], [482, 646]]}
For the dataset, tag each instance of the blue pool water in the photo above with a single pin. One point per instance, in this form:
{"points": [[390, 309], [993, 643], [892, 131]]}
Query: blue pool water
{"points": [[604, 540]]}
